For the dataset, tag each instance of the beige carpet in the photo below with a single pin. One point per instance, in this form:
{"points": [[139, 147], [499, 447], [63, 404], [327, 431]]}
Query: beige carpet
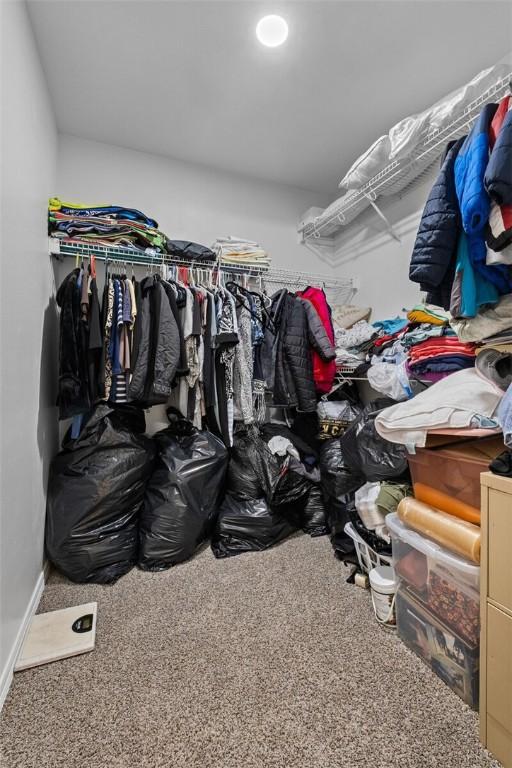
{"points": [[261, 661]]}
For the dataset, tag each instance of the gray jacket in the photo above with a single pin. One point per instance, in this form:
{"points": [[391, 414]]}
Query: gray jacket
{"points": [[318, 337]]}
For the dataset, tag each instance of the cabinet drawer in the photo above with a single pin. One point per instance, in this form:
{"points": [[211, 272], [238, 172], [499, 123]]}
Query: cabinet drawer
{"points": [[499, 742], [499, 667], [500, 541]]}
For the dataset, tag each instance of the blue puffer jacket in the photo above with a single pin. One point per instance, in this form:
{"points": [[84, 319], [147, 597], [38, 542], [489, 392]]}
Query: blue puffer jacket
{"points": [[474, 202], [433, 257], [498, 176], [470, 167]]}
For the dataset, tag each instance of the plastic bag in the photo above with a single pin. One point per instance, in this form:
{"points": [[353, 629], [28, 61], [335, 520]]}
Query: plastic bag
{"points": [[335, 416], [247, 526], [95, 493], [390, 379], [338, 478], [313, 516], [339, 483], [253, 471], [340, 511], [367, 453], [182, 495]]}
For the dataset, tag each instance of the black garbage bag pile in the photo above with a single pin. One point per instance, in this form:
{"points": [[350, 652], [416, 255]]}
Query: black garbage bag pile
{"points": [[182, 496], [95, 493], [268, 496], [298, 495], [360, 455]]}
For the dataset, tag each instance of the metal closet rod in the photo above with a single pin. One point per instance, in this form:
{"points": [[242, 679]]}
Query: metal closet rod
{"points": [[59, 248]]}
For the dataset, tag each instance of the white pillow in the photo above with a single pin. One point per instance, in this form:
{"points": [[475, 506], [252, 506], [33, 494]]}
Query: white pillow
{"points": [[370, 163], [405, 135], [454, 104]]}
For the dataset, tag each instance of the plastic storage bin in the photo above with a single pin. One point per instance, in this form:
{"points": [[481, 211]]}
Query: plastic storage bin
{"points": [[452, 659], [445, 583], [455, 469]]}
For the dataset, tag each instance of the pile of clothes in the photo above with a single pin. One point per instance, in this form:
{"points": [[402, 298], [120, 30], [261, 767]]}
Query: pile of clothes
{"points": [[397, 352], [104, 225], [115, 225], [237, 252], [463, 248], [433, 348]]}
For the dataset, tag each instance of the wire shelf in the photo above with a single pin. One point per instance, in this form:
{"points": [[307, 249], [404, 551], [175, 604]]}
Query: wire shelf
{"points": [[401, 174], [339, 290]]}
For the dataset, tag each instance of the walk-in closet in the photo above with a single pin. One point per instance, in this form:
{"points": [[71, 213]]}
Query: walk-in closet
{"points": [[256, 386]]}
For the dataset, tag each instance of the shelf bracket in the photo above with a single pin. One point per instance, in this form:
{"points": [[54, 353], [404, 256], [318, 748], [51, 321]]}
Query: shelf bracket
{"points": [[371, 197]]}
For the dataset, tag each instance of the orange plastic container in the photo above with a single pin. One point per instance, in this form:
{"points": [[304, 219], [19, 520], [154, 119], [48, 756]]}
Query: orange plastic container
{"points": [[455, 469]]}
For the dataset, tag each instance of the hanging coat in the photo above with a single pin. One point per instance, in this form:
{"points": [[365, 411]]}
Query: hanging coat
{"points": [[324, 366], [434, 253], [474, 202], [498, 178], [294, 385], [158, 350], [73, 397]]}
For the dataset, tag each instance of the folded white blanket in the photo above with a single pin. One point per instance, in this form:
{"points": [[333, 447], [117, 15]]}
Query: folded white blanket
{"points": [[452, 402]]}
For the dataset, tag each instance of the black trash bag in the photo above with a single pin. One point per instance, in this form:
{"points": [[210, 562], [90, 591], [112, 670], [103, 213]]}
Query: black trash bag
{"points": [[338, 478], [253, 471], [339, 513], [366, 452], [339, 484], [247, 526], [182, 495], [95, 493], [314, 515]]}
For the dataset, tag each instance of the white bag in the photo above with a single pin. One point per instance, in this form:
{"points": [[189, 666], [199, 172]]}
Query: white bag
{"points": [[367, 509]]}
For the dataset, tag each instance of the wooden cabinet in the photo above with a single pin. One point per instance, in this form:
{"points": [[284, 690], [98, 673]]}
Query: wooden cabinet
{"points": [[496, 617]]}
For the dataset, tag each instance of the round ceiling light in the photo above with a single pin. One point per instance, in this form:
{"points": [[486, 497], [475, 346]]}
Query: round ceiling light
{"points": [[272, 31]]}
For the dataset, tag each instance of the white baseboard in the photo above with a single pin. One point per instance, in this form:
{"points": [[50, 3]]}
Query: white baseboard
{"points": [[7, 673]]}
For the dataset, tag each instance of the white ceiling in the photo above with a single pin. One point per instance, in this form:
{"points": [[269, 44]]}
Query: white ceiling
{"points": [[189, 79]]}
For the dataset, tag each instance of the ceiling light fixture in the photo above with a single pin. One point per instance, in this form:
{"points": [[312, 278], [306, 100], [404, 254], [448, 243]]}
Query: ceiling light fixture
{"points": [[272, 31]]}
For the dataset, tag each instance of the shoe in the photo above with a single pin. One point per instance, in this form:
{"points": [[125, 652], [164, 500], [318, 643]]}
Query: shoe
{"points": [[496, 367]]}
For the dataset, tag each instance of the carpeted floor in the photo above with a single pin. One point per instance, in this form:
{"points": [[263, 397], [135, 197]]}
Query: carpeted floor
{"points": [[265, 660]]}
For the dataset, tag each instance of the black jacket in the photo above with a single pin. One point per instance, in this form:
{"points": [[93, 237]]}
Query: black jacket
{"points": [[158, 346], [433, 257], [498, 175], [73, 397], [294, 386]]}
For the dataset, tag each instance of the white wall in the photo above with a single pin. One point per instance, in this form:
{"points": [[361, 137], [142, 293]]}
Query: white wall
{"points": [[28, 327], [188, 201], [380, 263]]}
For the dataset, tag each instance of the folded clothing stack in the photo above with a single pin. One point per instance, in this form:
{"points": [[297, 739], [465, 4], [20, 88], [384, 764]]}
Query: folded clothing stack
{"points": [[104, 225], [435, 358], [235, 251]]}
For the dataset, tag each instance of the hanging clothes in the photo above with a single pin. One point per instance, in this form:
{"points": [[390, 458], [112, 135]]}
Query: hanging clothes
{"points": [[243, 368], [324, 353]]}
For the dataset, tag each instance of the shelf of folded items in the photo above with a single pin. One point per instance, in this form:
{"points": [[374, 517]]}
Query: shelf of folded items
{"points": [[339, 290], [401, 174]]}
